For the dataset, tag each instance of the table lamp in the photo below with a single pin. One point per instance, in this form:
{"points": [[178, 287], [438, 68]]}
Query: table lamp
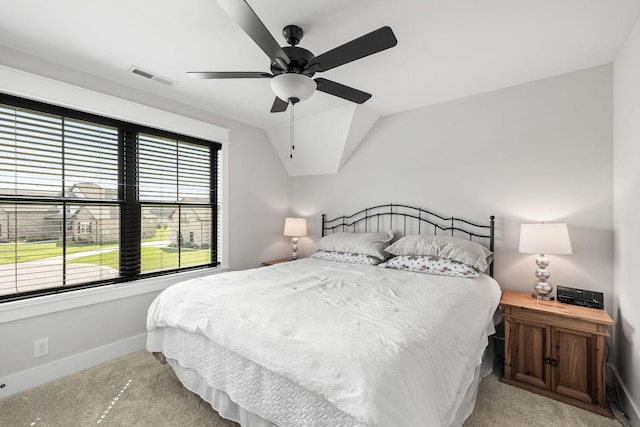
{"points": [[543, 239], [295, 227]]}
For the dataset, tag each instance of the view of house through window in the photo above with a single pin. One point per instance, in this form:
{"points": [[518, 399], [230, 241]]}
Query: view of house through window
{"points": [[184, 237], [63, 191], [176, 177]]}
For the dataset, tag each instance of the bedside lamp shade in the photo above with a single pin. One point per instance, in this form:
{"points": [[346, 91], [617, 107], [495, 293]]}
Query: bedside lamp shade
{"points": [[545, 239], [295, 227], [542, 239]]}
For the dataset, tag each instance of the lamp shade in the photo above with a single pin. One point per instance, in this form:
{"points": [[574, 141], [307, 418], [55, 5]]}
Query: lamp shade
{"points": [[545, 238], [295, 227], [293, 87]]}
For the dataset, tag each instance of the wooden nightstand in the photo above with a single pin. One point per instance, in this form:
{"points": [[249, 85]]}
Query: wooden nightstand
{"points": [[276, 261], [556, 350]]}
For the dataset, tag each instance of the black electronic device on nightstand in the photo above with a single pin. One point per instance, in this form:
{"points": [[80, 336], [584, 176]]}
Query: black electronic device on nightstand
{"points": [[580, 297]]}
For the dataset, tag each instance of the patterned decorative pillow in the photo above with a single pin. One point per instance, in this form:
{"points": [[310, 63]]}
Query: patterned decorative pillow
{"points": [[431, 265], [349, 257], [461, 250]]}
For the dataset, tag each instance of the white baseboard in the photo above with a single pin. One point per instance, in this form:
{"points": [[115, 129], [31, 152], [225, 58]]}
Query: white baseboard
{"points": [[630, 408], [43, 374]]}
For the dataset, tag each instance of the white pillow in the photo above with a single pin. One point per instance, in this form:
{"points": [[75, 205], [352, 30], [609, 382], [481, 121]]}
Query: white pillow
{"points": [[461, 250], [429, 264], [359, 243], [348, 257]]}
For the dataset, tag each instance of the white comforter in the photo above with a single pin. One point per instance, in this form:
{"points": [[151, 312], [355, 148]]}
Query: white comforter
{"points": [[390, 348]]}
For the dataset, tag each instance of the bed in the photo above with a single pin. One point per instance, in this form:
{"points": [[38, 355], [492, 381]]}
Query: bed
{"points": [[377, 328]]}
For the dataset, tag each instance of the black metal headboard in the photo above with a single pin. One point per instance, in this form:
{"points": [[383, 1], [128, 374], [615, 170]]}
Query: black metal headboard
{"points": [[410, 220]]}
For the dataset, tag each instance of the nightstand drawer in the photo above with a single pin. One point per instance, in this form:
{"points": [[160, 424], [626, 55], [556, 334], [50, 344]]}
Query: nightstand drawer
{"points": [[532, 315]]}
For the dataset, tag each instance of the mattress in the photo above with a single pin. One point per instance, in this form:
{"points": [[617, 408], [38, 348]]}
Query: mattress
{"points": [[322, 343]]}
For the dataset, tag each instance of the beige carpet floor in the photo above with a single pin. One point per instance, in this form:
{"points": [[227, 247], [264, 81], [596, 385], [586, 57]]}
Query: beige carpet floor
{"points": [[137, 390]]}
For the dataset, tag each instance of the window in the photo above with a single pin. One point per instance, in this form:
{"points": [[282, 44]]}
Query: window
{"points": [[87, 200], [175, 191]]}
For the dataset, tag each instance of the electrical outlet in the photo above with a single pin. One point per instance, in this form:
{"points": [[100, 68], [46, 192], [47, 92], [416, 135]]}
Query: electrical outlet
{"points": [[41, 347]]}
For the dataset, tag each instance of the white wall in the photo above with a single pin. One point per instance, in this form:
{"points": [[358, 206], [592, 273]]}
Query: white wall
{"points": [[112, 324], [626, 149], [259, 200], [535, 152]]}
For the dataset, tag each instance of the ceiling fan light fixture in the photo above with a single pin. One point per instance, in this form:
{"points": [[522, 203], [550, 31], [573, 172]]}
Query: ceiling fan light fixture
{"points": [[293, 87]]}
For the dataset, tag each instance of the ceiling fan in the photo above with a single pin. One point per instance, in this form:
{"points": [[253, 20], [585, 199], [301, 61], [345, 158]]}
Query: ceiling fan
{"points": [[293, 67]]}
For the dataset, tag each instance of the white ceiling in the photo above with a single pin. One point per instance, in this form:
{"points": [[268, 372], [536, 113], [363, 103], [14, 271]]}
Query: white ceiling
{"points": [[446, 49]]}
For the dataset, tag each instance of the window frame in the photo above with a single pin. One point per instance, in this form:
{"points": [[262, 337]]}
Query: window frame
{"points": [[128, 198]]}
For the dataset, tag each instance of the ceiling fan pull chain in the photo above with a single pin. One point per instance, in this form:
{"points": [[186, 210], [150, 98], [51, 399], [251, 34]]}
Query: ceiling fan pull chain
{"points": [[292, 132]]}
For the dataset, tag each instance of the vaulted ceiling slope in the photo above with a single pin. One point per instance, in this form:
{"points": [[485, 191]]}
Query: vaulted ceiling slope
{"points": [[446, 50]]}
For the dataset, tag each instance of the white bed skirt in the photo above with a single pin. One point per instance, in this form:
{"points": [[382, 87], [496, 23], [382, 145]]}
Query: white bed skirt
{"points": [[247, 401], [218, 399], [205, 367]]}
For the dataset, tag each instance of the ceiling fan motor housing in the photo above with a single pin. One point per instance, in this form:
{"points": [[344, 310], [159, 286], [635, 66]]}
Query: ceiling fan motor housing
{"points": [[299, 58]]}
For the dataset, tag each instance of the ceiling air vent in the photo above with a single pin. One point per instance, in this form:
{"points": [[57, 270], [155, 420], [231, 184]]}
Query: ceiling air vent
{"points": [[151, 76]]}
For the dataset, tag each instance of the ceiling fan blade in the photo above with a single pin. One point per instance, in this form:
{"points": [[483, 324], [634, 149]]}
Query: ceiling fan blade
{"points": [[374, 42], [247, 19], [279, 105], [342, 91], [229, 75]]}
